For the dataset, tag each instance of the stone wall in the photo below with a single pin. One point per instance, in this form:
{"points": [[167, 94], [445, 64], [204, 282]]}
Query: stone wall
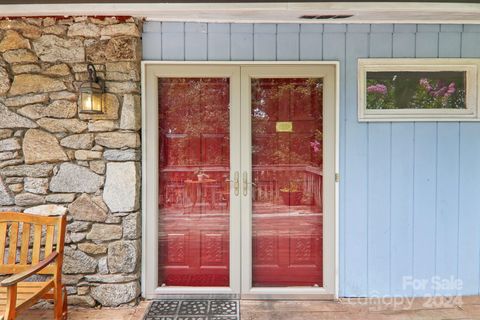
{"points": [[53, 159]]}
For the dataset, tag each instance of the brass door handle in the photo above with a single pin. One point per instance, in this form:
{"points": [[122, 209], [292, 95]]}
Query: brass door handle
{"points": [[246, 183], [236, 183]]}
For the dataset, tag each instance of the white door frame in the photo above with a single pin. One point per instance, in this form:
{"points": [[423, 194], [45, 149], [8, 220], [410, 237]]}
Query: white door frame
{"points": [[327, 73], [151, 71]]}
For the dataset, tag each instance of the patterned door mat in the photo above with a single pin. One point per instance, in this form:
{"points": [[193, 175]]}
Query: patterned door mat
{"points": [[193, 310]]}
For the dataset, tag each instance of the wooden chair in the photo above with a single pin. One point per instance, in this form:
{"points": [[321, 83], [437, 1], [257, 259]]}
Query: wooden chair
{"points": [[31, 245]]}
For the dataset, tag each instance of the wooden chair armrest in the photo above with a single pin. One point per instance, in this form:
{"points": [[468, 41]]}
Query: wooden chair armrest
{"points": [[14, 279]]}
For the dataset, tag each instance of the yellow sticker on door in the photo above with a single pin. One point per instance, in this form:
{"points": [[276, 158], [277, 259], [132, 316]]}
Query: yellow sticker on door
{"points": [[285, 126]]}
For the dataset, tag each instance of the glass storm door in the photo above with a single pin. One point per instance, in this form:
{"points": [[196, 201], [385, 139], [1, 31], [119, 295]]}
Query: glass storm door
{"points": [[285, 129], [197, 249], [239, 170]]}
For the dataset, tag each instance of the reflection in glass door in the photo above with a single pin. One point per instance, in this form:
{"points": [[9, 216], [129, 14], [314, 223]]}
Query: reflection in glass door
{"points": [[287, 165], [194, 188]]}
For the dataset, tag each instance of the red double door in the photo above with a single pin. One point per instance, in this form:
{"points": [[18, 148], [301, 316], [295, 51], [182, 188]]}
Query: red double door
{"points": [[196, 184]]}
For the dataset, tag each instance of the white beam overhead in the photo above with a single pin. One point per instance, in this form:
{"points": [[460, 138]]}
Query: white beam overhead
{"points": [[283, 12]]}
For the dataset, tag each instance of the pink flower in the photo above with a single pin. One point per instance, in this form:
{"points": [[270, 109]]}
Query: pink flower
{"points": [[440, 92], [424, 83], [315, 146], [451, 89], [378, 88], [440, 89]]}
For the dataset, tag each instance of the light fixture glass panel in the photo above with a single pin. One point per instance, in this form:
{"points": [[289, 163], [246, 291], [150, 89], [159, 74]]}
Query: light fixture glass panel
{"points": [[97, 102], [86, 102], [91, 100]]}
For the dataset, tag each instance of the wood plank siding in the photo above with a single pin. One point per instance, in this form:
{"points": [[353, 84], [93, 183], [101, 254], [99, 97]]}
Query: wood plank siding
{"points": [[409, 192]]}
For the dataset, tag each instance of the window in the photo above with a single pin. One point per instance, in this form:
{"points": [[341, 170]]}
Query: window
{"points": [[418, 89]]}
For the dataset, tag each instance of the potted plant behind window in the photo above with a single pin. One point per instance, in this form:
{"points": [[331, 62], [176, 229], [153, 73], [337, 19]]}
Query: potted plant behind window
{"points": [[291, 194]]}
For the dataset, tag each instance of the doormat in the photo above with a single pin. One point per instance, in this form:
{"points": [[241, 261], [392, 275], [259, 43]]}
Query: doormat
{"points": [[193, 310]]}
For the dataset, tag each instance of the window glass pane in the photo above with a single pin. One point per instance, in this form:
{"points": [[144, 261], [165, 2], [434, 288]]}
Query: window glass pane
{"points": [[416, 90], [287, 147], [194, 166]]}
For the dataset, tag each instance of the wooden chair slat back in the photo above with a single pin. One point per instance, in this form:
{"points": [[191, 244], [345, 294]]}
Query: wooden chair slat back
{"points": [[28, 239], [25, 245], [49, 240], [3, 239], [37, 243], [12, 252]]}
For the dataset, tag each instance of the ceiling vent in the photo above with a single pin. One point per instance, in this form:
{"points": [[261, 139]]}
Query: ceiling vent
{"points": [[326, 17]]}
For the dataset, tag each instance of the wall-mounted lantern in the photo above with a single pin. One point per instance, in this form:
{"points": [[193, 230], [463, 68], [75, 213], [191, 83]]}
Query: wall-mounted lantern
{"points": [[91, 93]]}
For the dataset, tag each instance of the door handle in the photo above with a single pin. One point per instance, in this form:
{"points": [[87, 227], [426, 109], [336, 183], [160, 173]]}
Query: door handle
{"points": [[236, 183], [246, 183]]}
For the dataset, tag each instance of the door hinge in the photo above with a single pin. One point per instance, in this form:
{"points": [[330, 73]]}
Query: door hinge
{"points": [[337, 177]]}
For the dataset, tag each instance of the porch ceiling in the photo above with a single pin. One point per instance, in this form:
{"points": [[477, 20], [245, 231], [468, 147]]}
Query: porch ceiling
{"points": [[466, 12]]}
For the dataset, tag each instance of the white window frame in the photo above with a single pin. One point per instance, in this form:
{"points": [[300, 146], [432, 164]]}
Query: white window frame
{"points": [[470, 66]]}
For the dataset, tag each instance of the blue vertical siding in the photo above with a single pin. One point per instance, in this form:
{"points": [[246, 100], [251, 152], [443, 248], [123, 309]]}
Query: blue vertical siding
{"points": [[288, 42], [469, 186], [446, 248], [173, 41], [402, 173], [424, 203], [379, 177], [469, 207], [401, 207], [242, 42], [196, 41], [424, 183], [409, 192], [218, 41], [265, 42], [311, 42], [356, 171], [334, 48]]}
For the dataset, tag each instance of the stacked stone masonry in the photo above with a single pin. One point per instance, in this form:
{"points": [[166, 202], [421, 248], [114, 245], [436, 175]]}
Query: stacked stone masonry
{"points": [[55, 160]]}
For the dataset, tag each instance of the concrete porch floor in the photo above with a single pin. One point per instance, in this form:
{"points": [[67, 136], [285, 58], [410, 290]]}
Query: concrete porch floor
{"points": [[421, 309]]}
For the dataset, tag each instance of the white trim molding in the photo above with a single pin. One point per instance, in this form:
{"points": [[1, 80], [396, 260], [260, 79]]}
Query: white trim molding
{"points": [[470, 67], [284, 12]]}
